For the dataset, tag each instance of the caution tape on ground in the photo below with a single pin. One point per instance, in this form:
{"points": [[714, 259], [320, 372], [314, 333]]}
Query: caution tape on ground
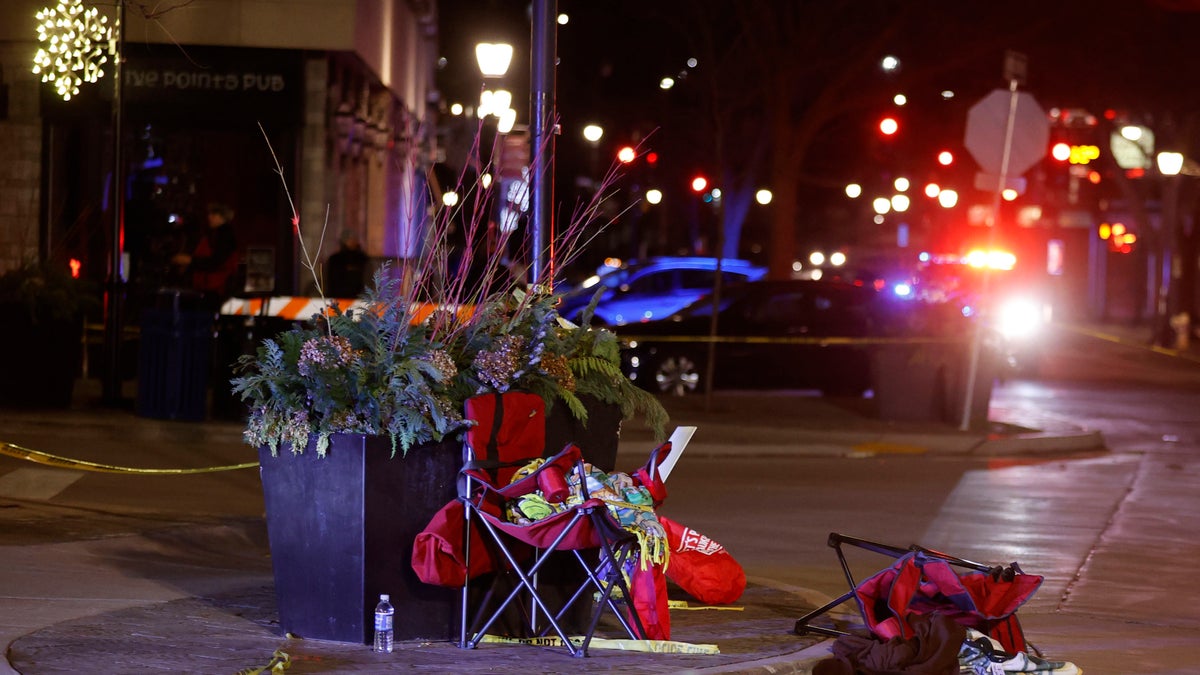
{"points": [[280, 661], [654, 646], [684, 604], [58, 461]]}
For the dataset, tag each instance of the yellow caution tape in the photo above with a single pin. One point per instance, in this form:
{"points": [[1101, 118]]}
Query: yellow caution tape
{"points": [[82, 465], [683, 604], [760, 339], [653, 646], [280, 661]]}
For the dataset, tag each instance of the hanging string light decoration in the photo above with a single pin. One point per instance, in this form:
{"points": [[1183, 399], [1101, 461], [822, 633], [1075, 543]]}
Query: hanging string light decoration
{"points": [[76, 43]]}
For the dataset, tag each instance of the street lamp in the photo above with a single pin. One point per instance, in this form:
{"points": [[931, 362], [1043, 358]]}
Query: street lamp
{"points": [[493, 58], [1172, 315]]}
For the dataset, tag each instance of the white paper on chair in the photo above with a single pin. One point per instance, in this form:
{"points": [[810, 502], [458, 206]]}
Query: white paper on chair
{"points": [[679, 440]]}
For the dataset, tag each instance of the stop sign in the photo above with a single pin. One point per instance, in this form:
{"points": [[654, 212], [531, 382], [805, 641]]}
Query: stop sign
{"points": [[986, 124]]}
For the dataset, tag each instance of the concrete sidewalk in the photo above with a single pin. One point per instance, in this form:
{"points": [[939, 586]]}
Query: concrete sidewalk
{"points": [[158, 590]]}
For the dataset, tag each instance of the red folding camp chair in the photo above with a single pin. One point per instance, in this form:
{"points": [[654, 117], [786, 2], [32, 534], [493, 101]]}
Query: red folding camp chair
{"points": [[922, 580], [508, 435]]}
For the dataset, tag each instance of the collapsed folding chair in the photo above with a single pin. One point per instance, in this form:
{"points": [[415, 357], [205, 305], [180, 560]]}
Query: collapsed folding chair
{"points": [[921, 581], [508, 436]]}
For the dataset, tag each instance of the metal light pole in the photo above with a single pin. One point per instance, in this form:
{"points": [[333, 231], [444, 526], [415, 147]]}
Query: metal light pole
{"points": [[545, 48], [111, 393]]}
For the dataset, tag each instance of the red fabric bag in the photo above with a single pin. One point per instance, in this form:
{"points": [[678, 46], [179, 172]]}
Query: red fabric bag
{"points": [[649, 589], [438, 557], [701, 566]]}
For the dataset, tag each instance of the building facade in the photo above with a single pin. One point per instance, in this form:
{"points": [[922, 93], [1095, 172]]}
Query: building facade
{"points": [[307, 118]]}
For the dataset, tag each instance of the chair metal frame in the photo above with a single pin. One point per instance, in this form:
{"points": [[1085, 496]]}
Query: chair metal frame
{"points": [[614, 544], [836, 541]]}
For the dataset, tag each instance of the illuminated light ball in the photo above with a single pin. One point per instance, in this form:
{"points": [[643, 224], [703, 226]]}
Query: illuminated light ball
{"points": [[486, 180], [899, 99], [882, 205], [948, 198], [837, 259], [901, 184], [593, 133], [932, 190], [456, 109], [654, 196], [563, 19], [853, 190], [1118, 229], [450, 198], [1009, 194], [902, 289], [889, 63], [716, 194], [666, 83], [796, 266], [626, 155], [945, 158], [1105, 230], [817, 274], [76, 43], [763, 197], [699, 183], [1060, 152], [888, 126], [900, 203], [816, 258]]}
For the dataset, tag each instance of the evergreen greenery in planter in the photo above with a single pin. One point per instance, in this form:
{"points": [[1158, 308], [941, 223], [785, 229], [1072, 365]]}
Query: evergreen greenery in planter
{"points": [[391, 366]]}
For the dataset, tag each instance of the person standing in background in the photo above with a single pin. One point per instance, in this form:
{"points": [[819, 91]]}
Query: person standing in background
{"points": [[211, 266], [346, 270]]}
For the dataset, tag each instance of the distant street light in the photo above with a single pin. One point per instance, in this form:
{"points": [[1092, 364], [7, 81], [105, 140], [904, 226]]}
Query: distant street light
{"points": [[654, 196], [853, 190], [763, 196], [593, 133], [493, 58], [1170, 163]]}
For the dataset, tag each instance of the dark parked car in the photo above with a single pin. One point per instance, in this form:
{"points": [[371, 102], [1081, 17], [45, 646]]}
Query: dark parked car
{"points": [[654, 288], [772, 334]]}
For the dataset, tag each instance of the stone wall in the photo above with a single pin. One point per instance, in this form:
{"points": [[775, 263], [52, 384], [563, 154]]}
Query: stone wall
{"points": [[20, 152]]}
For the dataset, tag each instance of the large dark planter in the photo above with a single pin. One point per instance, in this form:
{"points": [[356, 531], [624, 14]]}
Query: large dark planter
{"points": [[597, 439], [341, 531], [42, 360], [928, 383], [909, 382]]}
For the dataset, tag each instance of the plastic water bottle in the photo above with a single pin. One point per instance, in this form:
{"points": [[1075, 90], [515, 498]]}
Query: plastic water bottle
{"points": [[384, 613]]}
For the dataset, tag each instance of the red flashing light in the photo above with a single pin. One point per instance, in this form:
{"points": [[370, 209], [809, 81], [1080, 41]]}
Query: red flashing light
{"points": [[888, 126], [699, 183], [75, 266], [652, 158]]}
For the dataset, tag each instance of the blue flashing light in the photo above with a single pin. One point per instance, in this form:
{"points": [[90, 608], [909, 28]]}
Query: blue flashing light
{"points": [[902, 289]]}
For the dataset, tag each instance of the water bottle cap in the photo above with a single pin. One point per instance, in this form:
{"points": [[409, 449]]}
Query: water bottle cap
{"points": [[384, 596]]}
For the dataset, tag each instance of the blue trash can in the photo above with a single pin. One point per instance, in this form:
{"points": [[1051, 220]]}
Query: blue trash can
{"points": [[175, 357]]}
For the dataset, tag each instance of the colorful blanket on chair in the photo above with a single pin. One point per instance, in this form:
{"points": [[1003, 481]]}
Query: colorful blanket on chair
{"points": [[629, 503]]}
